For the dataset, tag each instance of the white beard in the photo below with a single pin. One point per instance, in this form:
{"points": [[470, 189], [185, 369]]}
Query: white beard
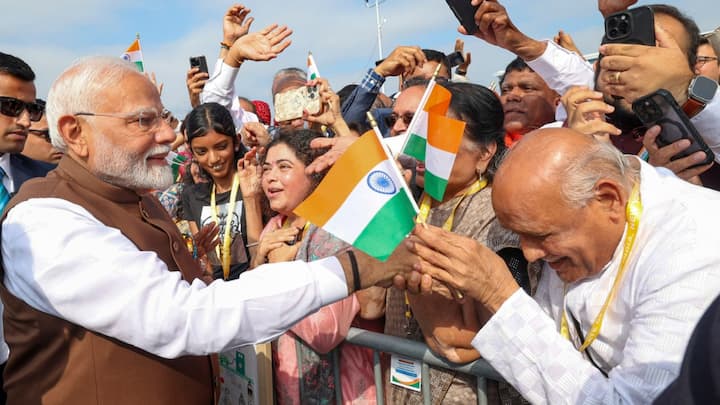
{"points": [[122, 168]]}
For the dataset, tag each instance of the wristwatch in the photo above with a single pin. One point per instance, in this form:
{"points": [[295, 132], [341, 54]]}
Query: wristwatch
{"points": [[700, 92]]}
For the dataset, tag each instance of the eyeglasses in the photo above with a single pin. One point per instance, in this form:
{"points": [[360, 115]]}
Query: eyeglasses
{"points": [[391, 119], [701, 60], [42, 133], [147, 120], [12, 107]]}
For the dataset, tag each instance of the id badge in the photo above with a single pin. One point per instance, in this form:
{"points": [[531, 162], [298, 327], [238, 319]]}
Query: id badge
{"points": [[405, 372]]}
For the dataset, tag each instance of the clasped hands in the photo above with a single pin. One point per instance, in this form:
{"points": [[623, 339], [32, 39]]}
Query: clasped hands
{"points": [[432, 260]]}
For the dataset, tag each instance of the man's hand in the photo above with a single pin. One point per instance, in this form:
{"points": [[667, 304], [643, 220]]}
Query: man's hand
{"points": [[337, 145], [464, 265], [259, 46], [586, 112], [376, 273], [608, 7], [460, 47], [496, 28], [195, 81], [234, 23], [660, 157], [632, 71], [403, 59], [254, 134]]}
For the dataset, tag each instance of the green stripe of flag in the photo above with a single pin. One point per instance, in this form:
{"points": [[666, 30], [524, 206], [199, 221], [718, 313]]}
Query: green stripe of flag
{"points": [[139, 66], [435, 186], [416, 146], [388, 228]]}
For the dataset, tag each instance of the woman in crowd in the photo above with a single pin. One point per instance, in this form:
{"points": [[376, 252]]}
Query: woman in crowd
{"points": [[466, 209], [304, 370], [228, 193]]}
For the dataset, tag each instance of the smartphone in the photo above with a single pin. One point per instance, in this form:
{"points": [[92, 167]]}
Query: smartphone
{"points": [[632, 26], [456, 59], [289, 105], [199, 62], [465, 13], [660, 108]]}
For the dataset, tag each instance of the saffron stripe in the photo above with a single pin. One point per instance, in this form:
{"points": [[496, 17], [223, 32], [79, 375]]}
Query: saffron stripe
{"points": [[445, 133], [342, 178]]}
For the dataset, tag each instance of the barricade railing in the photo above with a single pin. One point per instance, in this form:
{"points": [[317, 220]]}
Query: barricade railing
{"points": [[379, 342]]}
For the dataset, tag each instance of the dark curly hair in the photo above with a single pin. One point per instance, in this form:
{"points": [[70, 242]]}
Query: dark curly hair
{"points": [[298, 140]]}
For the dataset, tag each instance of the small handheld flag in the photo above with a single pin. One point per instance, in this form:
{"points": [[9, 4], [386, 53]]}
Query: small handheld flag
{"points": [[362, 200], [312, 69], [434, 139], [134, 54]]}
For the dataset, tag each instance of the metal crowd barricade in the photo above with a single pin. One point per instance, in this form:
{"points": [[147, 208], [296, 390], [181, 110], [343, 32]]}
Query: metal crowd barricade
{"points": [[379, 342]]}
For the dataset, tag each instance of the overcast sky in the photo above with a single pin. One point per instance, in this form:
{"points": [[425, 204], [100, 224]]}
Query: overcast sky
{"points": [[342, 35]]}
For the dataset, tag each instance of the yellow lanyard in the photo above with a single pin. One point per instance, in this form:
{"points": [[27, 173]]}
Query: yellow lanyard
{"points": [[225, 256], [633, 211], [422, 216]]}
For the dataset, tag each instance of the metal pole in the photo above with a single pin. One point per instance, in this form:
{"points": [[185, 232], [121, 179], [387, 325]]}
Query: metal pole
{"points": [[377, 370], [379, 34]]}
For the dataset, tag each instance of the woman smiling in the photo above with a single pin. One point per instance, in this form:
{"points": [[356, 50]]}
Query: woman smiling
{"points": [[232, 192]]}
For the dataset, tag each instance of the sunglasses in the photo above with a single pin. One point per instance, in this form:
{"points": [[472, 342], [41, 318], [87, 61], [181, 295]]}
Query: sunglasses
{"points": [[42, 133], [391, 119], [12, 107]]}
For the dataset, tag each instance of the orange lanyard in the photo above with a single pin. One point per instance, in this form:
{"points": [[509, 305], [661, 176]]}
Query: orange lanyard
{"points": [[633, 211]]}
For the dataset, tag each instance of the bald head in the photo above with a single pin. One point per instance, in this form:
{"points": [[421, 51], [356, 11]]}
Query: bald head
{"points": [[564, 193], [559, 159]]}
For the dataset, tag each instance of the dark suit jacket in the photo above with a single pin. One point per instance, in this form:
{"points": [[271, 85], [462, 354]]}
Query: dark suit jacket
{"points": [[23, 168]]}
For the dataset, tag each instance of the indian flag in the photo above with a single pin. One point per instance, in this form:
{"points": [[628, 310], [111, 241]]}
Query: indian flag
{"points": [[134, 54], [312, 68], [363, 200], [434, 139]]}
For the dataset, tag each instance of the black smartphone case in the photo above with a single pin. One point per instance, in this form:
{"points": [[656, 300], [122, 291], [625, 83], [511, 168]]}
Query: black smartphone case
{"points": [[660, 108], [465, 13], [633, 26]]}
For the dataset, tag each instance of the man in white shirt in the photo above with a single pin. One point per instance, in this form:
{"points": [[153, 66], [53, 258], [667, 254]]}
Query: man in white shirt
{"points": [[103, 300], [609, 229]]}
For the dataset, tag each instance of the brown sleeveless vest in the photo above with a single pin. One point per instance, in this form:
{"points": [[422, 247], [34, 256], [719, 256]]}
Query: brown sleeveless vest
{"points": [[53, 361]]}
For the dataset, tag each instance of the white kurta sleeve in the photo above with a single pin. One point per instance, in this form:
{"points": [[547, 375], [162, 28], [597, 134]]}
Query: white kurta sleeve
{"points": [[562, 69], [61, 260]]}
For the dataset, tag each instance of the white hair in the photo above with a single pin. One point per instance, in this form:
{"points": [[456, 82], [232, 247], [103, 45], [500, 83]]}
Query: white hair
{"points": [[601, 160], [79, 88]]}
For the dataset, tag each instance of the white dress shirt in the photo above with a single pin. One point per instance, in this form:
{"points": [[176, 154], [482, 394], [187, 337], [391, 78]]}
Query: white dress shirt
{"points": [[673, 274], [61, 260], [220, 88], [562, 69]]}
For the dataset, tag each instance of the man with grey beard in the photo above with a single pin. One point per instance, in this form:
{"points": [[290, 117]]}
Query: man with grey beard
{"points": [[103, 301]]}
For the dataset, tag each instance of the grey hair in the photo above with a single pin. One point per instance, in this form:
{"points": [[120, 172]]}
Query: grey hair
{"points": [[79, 88], [288, 75], [602, 160]]}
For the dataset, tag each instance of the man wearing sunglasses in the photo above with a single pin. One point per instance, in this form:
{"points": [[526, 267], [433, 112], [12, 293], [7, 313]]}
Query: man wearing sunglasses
{"points": [[38, 145], [18, 110]]}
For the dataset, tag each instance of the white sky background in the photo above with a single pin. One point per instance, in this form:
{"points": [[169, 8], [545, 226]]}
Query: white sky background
{"points": [[342, 35]]}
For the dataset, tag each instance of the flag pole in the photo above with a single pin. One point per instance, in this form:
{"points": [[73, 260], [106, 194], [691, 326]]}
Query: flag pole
{"points": [[423, 100], [388, 154]]}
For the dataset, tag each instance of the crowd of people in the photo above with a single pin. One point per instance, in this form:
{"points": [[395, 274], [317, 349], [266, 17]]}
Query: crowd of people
{"points": [[572, 249]]}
